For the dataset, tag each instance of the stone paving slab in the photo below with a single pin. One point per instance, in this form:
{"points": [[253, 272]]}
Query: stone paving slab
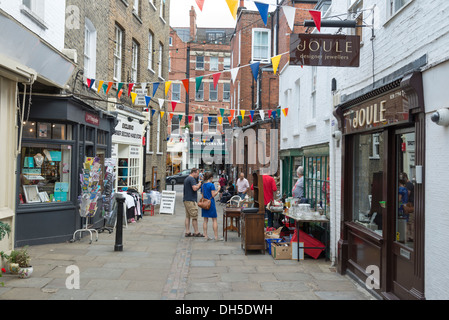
{"points": [[159, 263]]}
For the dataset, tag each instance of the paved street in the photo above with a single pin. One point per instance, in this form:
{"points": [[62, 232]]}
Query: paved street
{"points": [[158, 262]]}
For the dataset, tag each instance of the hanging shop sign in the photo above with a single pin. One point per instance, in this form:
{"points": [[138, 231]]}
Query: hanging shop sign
{"points": [[324, 50], [390, 108], [128, 132]]}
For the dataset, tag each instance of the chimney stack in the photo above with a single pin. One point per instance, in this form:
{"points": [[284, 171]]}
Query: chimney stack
{"points": [[192, 24]]}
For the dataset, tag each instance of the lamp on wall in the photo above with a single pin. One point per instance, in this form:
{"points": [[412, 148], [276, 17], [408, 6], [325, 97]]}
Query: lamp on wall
{"points": [[130, 119]]}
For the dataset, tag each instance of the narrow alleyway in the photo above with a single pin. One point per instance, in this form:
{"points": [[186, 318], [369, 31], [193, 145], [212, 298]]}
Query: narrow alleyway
{"points": [[158, 262]]}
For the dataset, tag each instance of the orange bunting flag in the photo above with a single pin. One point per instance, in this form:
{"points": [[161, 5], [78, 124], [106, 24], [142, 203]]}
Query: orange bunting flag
{"points": [[120, 93], [171, 116], [285, 111], [233, 7], [109, 87], [185, 82], [232, 113], [230, 119]]}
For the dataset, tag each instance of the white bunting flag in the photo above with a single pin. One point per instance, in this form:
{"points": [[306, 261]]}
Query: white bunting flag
{"points": [[290, 13], [262, 114], [161, 103]]}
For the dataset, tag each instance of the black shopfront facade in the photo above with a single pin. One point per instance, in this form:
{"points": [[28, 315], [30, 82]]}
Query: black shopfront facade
{"points": [[59, 132], [382, 226]]}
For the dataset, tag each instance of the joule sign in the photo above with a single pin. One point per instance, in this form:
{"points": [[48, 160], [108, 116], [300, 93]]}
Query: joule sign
{"points": [[324, 50]]}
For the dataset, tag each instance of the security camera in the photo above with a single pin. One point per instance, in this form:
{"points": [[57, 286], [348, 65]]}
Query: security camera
{"points": [[336, 135], [441, 117]]}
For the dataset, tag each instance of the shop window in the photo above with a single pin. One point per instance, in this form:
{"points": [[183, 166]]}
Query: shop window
{"points": [[45, 173], [128, 173], [43, 130], [316, 182], [368, 181], [102, 137]]}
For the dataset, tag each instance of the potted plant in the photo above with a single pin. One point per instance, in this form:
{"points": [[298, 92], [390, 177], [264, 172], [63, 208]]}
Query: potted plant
{"points": [[11, 258], [5, 229], [23, 259]]}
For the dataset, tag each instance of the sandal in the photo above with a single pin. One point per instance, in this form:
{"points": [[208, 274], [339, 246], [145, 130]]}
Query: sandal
{"points": [[188, 235], [198, 235]]}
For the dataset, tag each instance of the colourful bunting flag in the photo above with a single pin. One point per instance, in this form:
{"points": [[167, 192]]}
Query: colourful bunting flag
{"points": [[190, 118], [230, 119], [171, 115], [100, 85], [269, 113], [240, 119], [255, 69], [263, 10], [92, 81], [222, 112], [180, 117], [290, 13], [147, 100], [278, 112], [273, 114], [119, 87], [153, 112], [109, 87], [251, 115], [233, 7], [167, 87], [242, 112], [275, 62], [105, 88], [198, 81], [220, 120], [120, 93], [232, 113], [200, 4], [162, 114], [130, 88], [262, 114], [234, 73], [209, 119], [161, 103], [216, 77], [88, 82], [316, 16], [133, 96], [185, 82], [173, 105], [285, 111], [155, 86]]}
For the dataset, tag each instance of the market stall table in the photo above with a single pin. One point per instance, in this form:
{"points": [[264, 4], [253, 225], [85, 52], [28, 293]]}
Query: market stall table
{"points": [[322, 221], [233, 213]]}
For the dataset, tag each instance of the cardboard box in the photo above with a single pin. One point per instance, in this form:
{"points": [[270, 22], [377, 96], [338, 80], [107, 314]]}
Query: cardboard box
{"points": [[281, 250]]}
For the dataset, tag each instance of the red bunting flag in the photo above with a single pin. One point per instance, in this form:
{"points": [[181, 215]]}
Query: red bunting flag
{"points": [[173, 105], [232, 113], [200, 4], [216, 77], [88, 82], [130, 88], [190, 118], [171, 116], [185, 82], [316, 16], [285, 111]]}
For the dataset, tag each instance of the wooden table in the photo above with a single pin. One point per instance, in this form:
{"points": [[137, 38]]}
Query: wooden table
{"points": [[233, 213], [321, 221]]}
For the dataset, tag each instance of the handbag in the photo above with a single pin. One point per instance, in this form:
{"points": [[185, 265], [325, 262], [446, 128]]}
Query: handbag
{"points": [[204, 203]]}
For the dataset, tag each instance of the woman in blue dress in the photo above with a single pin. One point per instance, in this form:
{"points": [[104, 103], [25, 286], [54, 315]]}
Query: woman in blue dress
{"points": [[209, 192]]}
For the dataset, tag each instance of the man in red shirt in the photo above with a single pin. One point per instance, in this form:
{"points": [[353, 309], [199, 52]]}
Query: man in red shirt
{"points": [[269, 189]]}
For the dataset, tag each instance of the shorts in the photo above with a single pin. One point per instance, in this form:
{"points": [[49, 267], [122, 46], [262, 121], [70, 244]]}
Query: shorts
{"points": [[191, 209]]}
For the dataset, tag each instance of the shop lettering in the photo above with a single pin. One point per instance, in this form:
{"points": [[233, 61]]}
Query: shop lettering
{"points": [[127, 126], [128, 135], [326, 46], [192, 310], [369, 115]]}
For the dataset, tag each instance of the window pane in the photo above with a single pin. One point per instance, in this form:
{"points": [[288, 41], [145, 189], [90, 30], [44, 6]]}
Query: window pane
{"points": [[29, 129], [59, 131], [44, 130], [226, 92], [213, 93], [368, 176], [45, 173]]}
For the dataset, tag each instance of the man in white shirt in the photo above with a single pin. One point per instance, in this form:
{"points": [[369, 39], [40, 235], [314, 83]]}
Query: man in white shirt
{"points": [[242, 186]]}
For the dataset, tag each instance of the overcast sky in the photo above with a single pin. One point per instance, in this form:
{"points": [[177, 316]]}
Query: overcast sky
{"points": [[215, 13]]}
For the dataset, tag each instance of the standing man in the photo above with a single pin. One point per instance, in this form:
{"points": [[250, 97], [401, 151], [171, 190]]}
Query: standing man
{"points": [[298, 189], [242, 186], [190, 199]]}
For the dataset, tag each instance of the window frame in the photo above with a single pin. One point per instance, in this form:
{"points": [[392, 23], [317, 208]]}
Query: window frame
{"points": [[135, 61], [213, 91], [267, 46], [151, 51], [176, 90], [118, 53], [90, 49], [196, 62], [229, 92], [214, 66]]}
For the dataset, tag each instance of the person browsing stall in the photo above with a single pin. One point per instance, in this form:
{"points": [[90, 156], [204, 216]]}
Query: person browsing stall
{"points": [[242, 186]]}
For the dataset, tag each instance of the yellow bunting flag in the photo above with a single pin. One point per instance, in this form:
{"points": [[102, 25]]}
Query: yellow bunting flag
{"points": [[162, 114], [167, 86], [242, 112], [100, 85], [285, 111], [275, 61], [133, 96], [220, 120], [233, 6]]}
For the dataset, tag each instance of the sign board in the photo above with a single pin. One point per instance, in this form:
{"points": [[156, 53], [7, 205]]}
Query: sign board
{"points": [[168, 200], [92, 119], [387, 109], [127, 132], [140, 99], [324, 50]]}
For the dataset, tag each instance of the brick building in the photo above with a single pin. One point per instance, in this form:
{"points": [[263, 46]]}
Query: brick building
{"points": [[110, 45], [208, 52], [252, 42]]}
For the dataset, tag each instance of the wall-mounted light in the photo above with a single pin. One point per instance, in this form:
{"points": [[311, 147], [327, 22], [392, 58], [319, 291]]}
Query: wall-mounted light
{"points": [[337, 135], [130, 119], [441, 117], [141, 121]]}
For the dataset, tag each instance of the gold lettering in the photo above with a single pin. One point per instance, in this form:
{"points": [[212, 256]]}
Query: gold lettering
{"points": [[355, 121], [382, 111], [317, 45], [375, 114], [324, 46], [369, 115], [337, 47], [362, 117], [348, 46], [301, 46]]}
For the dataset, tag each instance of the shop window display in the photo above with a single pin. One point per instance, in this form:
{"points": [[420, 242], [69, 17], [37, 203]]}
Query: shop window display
{"points": [[45, 173], [368, 175], [316, 182]]}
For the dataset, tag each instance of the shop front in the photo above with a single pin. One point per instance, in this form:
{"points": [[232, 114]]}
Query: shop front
{"points": [[58, 134], [382, 229], [127, 149]]}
